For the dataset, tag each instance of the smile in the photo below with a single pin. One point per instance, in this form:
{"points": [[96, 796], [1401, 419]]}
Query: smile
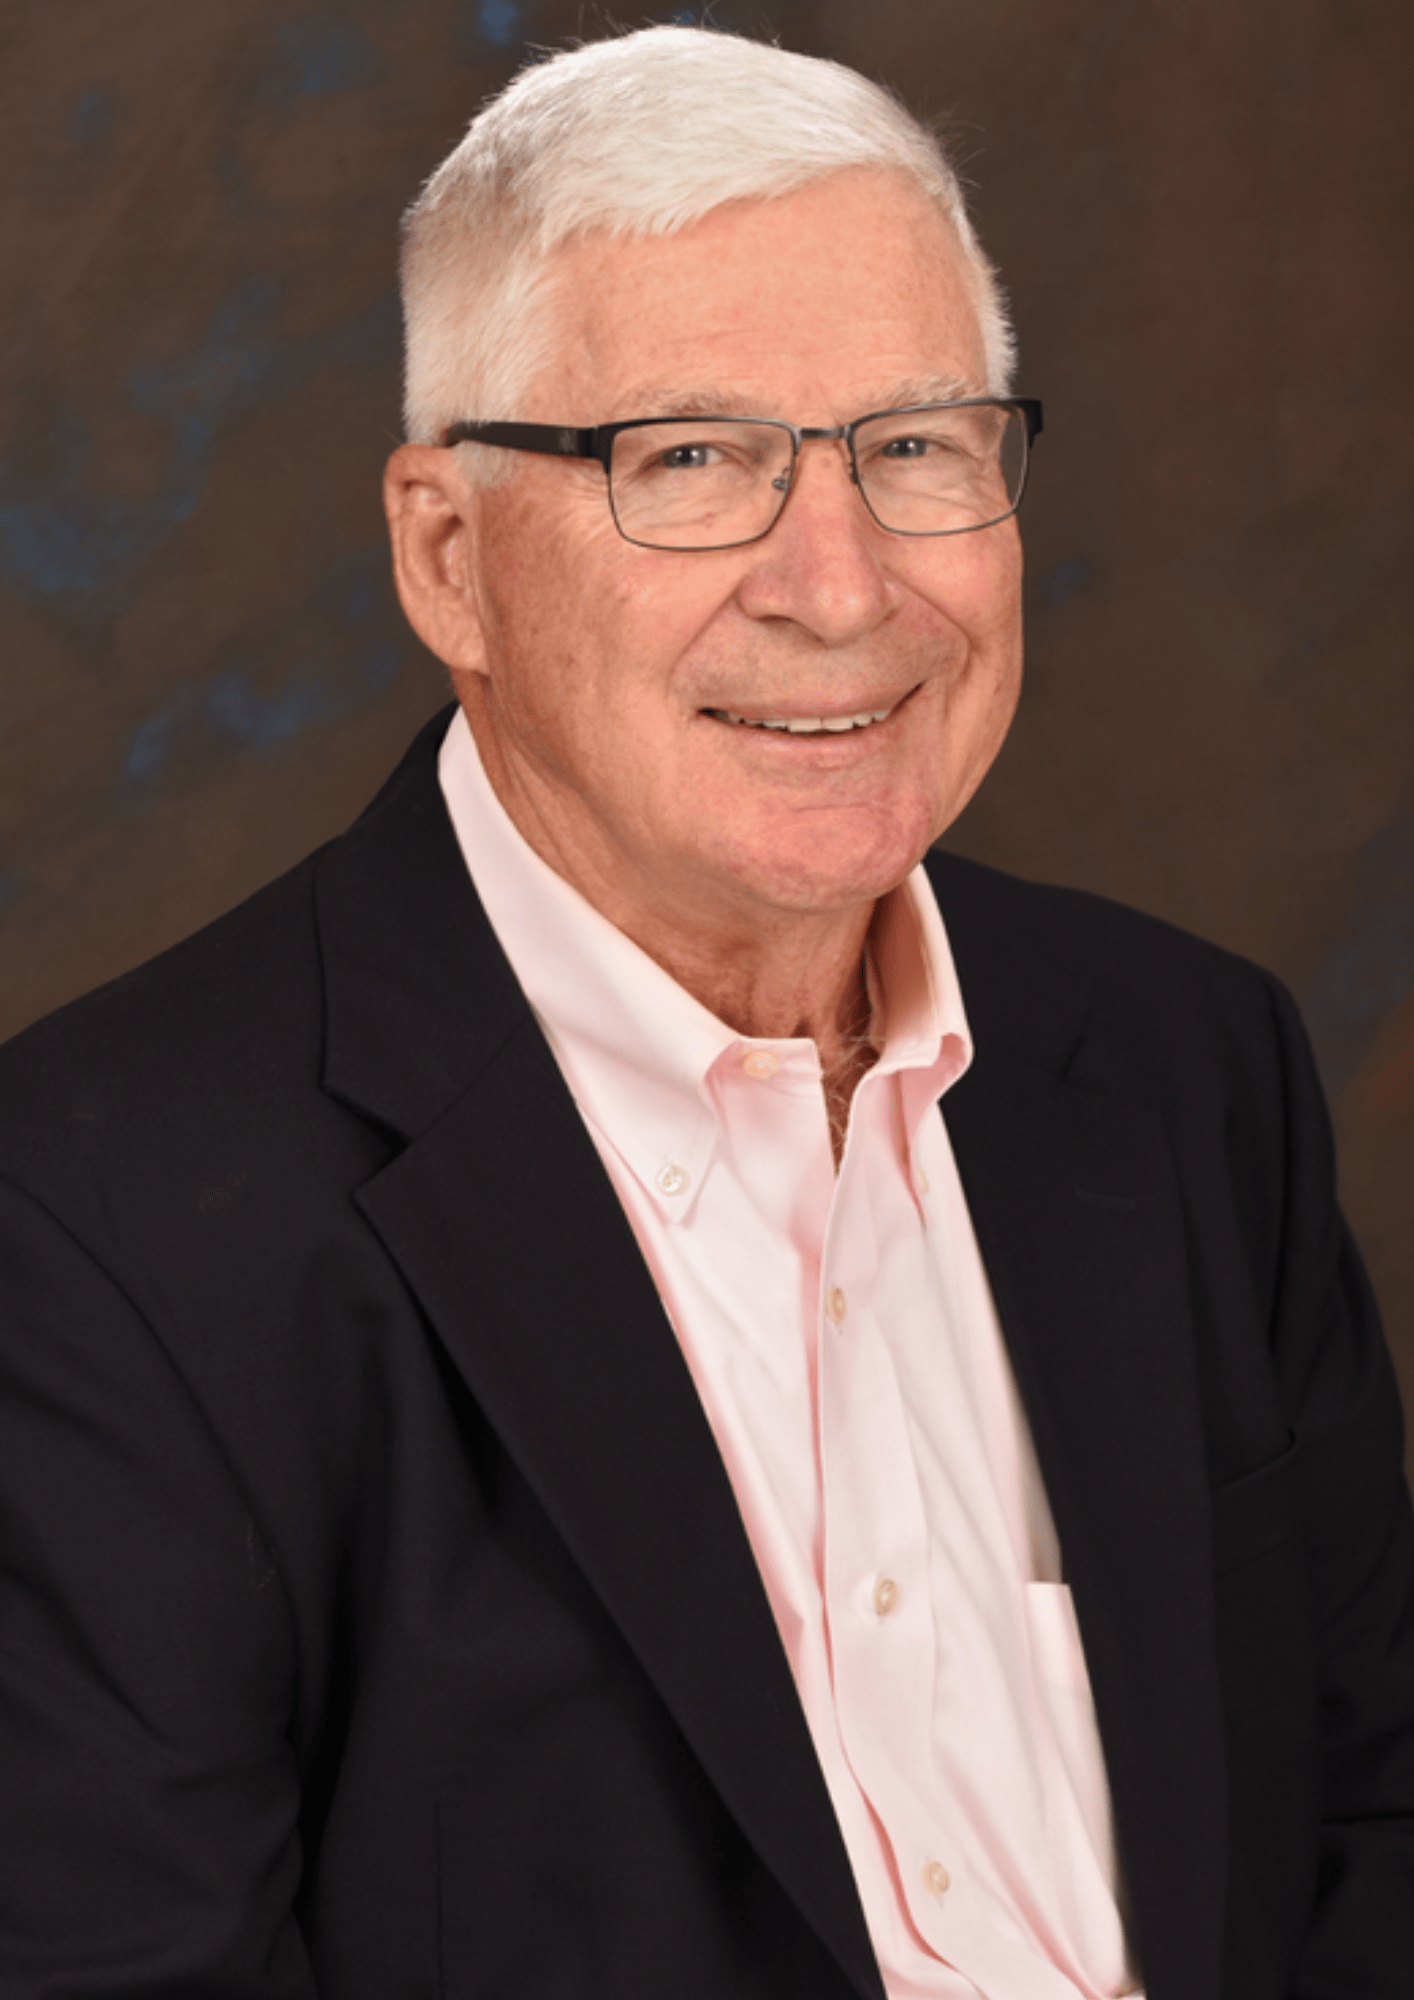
{"points": [[805, 725]]}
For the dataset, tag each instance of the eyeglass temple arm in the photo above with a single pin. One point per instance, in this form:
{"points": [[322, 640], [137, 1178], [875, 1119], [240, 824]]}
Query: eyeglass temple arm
{"points": [[558, 440]]}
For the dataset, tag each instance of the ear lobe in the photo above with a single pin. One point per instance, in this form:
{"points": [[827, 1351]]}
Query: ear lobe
{"points": [[432, 523]]}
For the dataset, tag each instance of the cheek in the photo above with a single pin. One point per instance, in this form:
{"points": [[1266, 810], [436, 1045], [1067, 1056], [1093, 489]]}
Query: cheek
{"points": [[589, 611], [979, 614], [989, 688], [987, 705], [583, 686], [970, 584], [988, 609], [994, 580]]}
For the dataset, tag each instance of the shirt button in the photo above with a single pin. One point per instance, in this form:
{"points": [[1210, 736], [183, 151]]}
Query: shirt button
{"points": [[836, 1305], [885, 1596], [922, 1181], [673, 1179], [936, 1879], [761, 1063]]}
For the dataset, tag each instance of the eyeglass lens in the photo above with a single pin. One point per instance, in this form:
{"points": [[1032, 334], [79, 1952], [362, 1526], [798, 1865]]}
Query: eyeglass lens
{"points": [[694, 483]]}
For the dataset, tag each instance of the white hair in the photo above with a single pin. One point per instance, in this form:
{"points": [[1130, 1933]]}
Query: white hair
{"points": [[639, 135]]}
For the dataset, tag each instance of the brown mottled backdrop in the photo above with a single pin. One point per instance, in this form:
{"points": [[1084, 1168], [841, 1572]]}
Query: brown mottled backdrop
{"points": [[1203, 212]]}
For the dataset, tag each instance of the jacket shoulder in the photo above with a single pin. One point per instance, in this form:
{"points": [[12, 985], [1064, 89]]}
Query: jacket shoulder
{"points": [[232, 1015], [1095, 937], [1209, 1039], [236, 1003], [1118, 960]]}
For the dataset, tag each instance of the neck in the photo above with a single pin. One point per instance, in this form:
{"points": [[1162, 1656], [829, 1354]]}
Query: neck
{"points": [[854, 1058], [805, 982]]}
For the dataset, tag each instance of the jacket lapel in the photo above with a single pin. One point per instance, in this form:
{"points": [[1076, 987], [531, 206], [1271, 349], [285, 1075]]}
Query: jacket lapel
{"points": [[1075, 1205], [505, 1226]]}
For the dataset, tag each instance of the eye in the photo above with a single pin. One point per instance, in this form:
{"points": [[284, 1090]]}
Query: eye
{"points": [[908, 447], [688, 457]]}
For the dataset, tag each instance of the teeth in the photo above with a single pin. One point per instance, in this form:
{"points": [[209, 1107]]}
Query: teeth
{"points": [[808, 725]]}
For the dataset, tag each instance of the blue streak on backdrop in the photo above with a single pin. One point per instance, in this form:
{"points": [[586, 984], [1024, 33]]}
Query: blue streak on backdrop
{"points": [[74, 542], [66, 541], [499, 22], [322, 55], [70, 542], [257, 720], [92, 116], [313, 57], [353, 644], [148, 744], [230, 371], [1370, 969], [1071, 577]]}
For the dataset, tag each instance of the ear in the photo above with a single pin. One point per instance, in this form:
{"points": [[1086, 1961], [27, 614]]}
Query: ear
{"points": [[433, 513]]}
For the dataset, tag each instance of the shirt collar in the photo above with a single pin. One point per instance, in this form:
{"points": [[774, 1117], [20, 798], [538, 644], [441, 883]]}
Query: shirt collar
{"points": [[636, 1049]]}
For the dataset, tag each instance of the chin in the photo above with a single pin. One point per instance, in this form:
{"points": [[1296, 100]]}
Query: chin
{"points": [[818, 884]]}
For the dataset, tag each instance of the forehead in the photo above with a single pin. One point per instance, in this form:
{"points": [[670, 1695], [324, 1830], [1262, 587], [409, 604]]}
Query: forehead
{"points": [[849, 294]]}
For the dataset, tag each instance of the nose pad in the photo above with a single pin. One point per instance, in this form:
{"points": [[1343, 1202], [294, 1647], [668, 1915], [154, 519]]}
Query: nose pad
{"points": [[783, 480]]}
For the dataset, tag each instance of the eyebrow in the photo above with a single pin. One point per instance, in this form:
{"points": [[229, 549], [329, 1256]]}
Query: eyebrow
{"points": [[662, 400]]}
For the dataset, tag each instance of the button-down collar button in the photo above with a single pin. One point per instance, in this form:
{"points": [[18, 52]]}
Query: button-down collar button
{"points": [[936, 1879], [836, 1305], [885, 1596], [761, 1063], [673, 1179]]}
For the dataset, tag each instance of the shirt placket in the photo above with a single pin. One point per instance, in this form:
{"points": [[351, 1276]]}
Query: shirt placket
{"points": [[877, 1574]]}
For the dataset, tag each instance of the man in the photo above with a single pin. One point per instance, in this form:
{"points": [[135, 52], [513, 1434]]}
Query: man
{"points": [[535, 1461]]}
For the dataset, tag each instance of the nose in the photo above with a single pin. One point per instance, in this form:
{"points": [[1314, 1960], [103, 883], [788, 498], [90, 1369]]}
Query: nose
{"points": [[821, 566]]}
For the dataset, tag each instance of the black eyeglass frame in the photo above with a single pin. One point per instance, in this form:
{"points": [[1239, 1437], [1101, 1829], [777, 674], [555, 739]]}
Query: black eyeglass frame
{"points": [[597, 441]]}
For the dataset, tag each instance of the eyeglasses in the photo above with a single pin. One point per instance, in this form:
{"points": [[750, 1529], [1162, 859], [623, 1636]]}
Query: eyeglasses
{"points": [[719, 482]]}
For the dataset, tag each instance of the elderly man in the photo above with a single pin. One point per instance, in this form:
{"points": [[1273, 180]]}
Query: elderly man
{"points": [[535, 1462]]}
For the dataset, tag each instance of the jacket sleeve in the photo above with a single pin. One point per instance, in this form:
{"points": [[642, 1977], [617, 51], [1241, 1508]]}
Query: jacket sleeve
{"points": [[1359, 1540], [150, 1826]]}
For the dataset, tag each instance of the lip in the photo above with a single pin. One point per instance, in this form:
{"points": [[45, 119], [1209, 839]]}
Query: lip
{"points": [[801, 724]]}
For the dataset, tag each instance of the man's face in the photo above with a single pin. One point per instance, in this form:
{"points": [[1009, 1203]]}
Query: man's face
{"points": [[617, 692]]}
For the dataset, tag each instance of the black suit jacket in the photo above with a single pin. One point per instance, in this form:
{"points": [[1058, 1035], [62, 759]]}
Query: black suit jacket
{"points": [[377, 1617]]}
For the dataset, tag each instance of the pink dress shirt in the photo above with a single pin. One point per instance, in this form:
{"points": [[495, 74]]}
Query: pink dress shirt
{"points": [[842, 1336]]}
